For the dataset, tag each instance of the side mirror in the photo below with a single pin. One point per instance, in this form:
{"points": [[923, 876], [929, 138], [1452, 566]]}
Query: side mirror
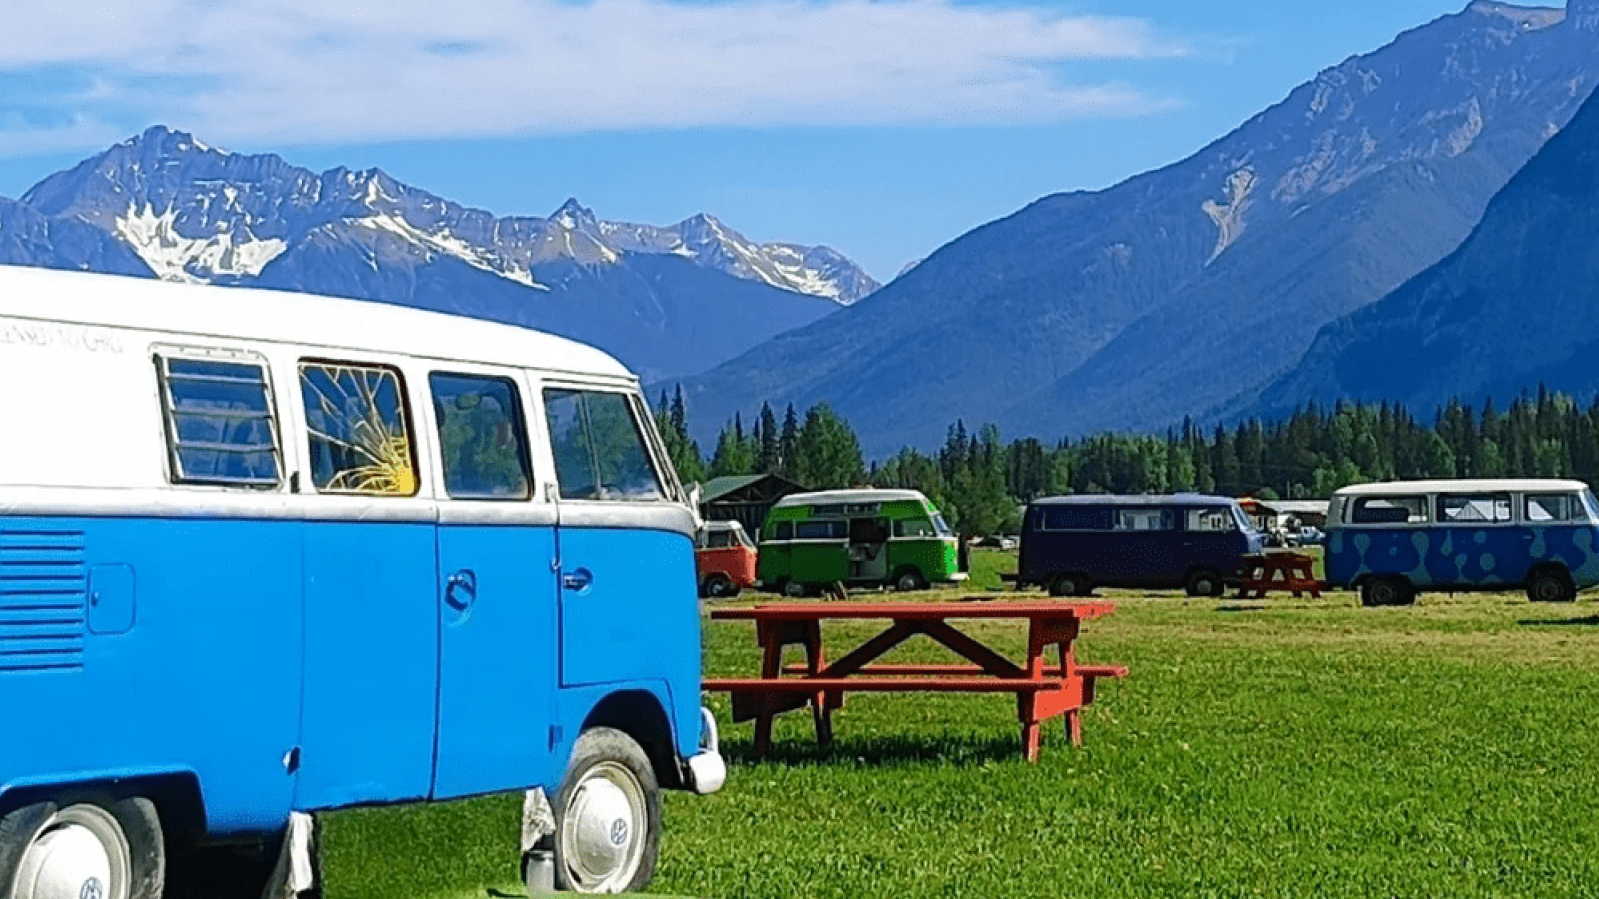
{"points": [[694, 495]]}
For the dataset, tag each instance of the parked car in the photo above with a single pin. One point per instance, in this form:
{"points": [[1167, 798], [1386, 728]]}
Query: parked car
{"points": [[1393, 540], [726, 559], [857, 537], [1072, 544]]}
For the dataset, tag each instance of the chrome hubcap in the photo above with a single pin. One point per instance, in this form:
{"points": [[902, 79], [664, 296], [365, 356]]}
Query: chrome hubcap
{"points": [[603, 837], [79, 854]]}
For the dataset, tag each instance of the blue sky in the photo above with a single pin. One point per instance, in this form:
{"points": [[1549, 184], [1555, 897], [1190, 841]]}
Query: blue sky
{"points": [[882, 129]]}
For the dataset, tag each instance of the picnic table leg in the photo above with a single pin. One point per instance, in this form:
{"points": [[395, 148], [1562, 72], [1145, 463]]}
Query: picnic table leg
{"points": [[1032, 735], [771, 666], [821, 705], [1068, 664]]}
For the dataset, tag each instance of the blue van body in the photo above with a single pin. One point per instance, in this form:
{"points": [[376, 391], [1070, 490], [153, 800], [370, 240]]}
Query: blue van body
{"points": [[1392, 540], [252, 641], [1071, 544]]}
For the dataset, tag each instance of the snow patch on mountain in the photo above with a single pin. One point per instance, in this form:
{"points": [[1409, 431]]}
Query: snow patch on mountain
{"points": [[1229, 217], [446, 243], [174, 257]]}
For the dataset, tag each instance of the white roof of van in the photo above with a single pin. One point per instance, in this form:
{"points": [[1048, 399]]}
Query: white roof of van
{"points": [[285, 317], [849, 496], [1462, 485]]}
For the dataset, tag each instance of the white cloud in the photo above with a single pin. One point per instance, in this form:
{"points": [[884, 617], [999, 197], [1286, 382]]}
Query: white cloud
{"points": [[305, 71]]}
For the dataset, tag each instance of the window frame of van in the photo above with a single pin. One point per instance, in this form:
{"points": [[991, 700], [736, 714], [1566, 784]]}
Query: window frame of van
{"points": [[671, 490], [520, 422], [1428, 498], [404, 403], [1581, 508], [161, 355], [1511, 519]]}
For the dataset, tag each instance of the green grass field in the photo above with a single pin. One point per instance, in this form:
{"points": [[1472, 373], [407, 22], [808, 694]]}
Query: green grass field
{"points": [[1282, 748]]}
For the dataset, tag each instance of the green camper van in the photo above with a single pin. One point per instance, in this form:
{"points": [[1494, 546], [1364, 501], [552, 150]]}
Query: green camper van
{"points": [[858, 538]]}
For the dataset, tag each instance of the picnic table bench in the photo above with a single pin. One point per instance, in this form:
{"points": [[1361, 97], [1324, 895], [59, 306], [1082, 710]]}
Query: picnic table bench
{"points": [[1043, 690]]}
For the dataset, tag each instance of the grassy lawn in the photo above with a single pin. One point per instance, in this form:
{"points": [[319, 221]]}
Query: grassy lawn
{"points": [[1282, 748]]}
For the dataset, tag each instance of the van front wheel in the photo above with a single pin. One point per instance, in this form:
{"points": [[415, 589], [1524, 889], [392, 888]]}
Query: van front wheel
{"points": [[1070, 585], [908, 580], [1204, 583], [718, 586], [112, 850], [607, 816]]}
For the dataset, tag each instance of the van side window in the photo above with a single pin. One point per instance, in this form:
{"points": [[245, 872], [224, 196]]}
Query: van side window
{"points": [[599, 448], [360, 434], [1486, 508], [914, 527], [832, 529], [220, 424], [1145, 520], [483, 442], [1389, 510], [1074, 518], [785, 531], [1553, 507], [1212, 519]]}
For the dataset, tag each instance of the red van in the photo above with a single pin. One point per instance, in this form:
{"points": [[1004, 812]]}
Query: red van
{"points": [[726, 559]]}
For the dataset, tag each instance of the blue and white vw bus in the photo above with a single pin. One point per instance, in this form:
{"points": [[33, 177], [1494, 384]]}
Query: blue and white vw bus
{"points": [[1392, 540], [264, 554]]}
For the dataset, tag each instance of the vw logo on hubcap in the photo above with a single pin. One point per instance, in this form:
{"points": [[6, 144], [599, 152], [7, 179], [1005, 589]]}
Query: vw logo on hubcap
{"points": [[618, 832], [92, 889]]}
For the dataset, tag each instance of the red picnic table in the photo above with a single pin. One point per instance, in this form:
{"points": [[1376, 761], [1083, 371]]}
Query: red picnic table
{"points": [[1291, 571], [1042, 690]]}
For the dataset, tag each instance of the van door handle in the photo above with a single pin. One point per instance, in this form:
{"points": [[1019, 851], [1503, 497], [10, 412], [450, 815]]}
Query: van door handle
{"points": [[460, 591], [578, 580]]}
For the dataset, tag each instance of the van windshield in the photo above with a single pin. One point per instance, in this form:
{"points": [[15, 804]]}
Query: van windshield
{"points": [[941, 526], [1592, 504]]}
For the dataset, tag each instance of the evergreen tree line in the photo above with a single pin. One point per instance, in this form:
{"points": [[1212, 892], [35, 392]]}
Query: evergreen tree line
{"points": [[979, 482]]}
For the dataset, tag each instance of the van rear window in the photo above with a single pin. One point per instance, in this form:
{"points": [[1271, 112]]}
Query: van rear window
{"points": [[220, 424], [1389, 510]]}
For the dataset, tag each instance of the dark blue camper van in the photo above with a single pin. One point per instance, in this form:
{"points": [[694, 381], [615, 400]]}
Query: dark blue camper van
{"points": [[1072, 544]]}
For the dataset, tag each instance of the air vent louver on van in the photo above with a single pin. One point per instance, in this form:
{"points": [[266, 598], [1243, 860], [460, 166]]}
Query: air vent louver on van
{"points": [[42, 592]]}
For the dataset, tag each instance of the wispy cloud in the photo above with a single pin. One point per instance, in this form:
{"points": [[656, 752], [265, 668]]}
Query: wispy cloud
{"points": [[307, 71]]}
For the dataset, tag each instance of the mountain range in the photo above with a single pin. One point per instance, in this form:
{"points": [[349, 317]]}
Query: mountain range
{"points": [[666, 300], [1184, 291], [1513, 306]]}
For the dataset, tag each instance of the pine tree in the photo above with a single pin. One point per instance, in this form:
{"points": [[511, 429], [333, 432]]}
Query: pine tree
{"points": [[788, 446], [769, 458], [829, 454]]}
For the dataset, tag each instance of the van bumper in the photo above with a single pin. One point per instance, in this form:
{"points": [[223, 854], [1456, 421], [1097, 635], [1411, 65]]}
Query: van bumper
{"points": [[958, 576], [706, 771]]}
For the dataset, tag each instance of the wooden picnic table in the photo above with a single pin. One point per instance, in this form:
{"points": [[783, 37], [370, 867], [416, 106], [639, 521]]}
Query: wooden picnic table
{"points": [[1290, 571], [1042, 690]]}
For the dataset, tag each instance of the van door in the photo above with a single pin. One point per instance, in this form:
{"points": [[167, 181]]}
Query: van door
{"points": [[496, 545], [1211, 539], [371, 620], [627, 591]]}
